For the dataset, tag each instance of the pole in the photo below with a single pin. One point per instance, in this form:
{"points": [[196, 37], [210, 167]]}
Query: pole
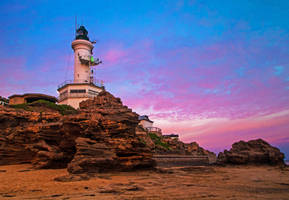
{"points": [[75, 25]]}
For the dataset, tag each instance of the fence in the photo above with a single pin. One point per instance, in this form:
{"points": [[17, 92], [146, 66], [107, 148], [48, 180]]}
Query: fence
{"points": [[154, 129], [75, 95], [96, 82]]}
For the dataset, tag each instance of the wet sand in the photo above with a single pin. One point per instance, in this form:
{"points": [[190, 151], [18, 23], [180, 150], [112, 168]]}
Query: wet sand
{"points": [[210, 182]]}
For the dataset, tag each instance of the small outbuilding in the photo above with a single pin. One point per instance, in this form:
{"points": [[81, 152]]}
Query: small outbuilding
{"points": [[29, 98], [145, 121], [147, 124]]}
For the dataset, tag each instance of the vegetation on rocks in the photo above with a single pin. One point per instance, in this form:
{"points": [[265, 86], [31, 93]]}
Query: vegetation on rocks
{"points": [[62, 109], [158, 141], [23, 106]]}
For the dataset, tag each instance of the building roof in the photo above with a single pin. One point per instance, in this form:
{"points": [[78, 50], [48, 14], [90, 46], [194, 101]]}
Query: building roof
{"points": [[35, 95], [171, 135], [144, 117]]}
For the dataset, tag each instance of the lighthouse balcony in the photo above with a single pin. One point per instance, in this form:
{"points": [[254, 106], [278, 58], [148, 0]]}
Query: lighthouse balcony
{"points": [[94, 82], [89, 60], [72, 93], [66, 95]]}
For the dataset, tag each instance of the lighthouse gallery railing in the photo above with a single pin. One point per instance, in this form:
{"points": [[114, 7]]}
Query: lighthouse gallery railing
{"points": [[95, 82]]}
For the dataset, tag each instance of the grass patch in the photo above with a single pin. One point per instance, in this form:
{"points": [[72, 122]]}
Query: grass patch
{"points": [[23, 106], [158, 141], [62, 109]]}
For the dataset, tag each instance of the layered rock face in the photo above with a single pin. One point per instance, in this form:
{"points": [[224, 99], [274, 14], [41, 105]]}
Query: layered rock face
{"points": [[192, 148], [27, 136], [252, 152], [101, 136], [171, 151], [109, 139]]}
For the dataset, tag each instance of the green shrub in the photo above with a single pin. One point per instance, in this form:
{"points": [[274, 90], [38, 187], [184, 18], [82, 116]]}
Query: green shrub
{"points": [[158, 142], [62, 109], [21, 106]]}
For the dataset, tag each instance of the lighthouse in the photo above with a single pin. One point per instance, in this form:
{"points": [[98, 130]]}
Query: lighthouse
{"points": [[84, 85]]}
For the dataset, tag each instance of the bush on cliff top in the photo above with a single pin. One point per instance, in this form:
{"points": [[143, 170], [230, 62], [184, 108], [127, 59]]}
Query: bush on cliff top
{"points": [[21, 106], [158, 142], [62, 109]]}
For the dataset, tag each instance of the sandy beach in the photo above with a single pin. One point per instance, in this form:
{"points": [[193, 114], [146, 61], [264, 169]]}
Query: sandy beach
{"points": [[208, 182]]}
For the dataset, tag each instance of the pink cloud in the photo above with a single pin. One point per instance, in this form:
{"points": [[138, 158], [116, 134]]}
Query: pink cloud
{"points": [[17, 78], [113, 56], [230, 87], [211, 83], [220, 133]]}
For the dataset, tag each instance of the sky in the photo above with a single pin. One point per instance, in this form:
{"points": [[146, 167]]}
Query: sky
{"points": [[214, 72]]}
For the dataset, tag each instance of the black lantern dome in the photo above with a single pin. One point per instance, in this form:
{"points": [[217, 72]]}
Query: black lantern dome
{"points": [[81, 33]]}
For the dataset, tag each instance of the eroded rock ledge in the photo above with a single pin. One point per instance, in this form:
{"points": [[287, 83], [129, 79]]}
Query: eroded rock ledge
{"points": [[101, 136]]}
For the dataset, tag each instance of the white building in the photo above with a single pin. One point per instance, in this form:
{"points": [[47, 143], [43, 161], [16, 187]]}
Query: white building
{"points": [[147, 124], [83, 86], [145, 121]]}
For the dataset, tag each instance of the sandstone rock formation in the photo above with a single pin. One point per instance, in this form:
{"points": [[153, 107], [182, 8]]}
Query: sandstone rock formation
{"points": [[175, 152], [252, 152], [21, 132], [109, 140], [100, 136]]}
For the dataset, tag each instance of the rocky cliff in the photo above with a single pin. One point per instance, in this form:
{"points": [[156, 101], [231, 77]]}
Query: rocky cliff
{"points": [[104, 135], [252, 152], [175, 150], [100, 136]]}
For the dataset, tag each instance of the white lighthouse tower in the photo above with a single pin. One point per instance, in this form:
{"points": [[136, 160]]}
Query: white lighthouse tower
{"points": [[83, 86]]}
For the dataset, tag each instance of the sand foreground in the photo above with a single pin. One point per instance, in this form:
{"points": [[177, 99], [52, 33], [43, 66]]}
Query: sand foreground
{"points": [[210, 182]]}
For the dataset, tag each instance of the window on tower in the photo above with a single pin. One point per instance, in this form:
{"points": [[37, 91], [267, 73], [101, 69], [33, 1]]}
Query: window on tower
{"points": [[77, 91]]}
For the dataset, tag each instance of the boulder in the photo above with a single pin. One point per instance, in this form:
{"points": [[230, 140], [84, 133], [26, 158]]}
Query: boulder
{"points": [[251, 152]]}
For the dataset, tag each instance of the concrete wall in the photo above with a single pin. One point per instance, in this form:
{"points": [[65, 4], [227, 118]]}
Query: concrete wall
{"points": [[73, 99], [169, 160], [74, 102]]}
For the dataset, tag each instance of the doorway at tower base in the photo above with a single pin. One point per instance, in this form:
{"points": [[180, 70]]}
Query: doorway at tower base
{"points": [[74, 93]]}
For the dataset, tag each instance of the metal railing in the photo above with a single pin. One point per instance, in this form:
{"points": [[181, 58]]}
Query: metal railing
{"points": [[75, 95], [154, 129], [95, 82]]}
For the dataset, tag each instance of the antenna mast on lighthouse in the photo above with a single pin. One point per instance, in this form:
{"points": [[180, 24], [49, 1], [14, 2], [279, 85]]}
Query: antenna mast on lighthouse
{"points": [[75, 25]]}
